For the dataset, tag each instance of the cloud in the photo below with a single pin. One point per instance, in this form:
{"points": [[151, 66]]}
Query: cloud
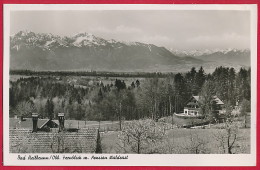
{"points": [[157, 40], [125, 29], [216, 38], [232, 40], [100, 30]]}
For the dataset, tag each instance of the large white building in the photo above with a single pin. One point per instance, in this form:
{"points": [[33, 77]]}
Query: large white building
{"points": [[192, 106]]}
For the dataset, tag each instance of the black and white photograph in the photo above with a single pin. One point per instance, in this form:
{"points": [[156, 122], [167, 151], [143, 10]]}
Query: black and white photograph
{"points": [[122, 82]]}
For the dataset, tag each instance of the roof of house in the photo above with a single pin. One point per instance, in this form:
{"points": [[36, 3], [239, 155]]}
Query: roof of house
{"points": [[74, 124], [196, 97], [192, 104], [15, 123], [24, 141], [218, 101]]}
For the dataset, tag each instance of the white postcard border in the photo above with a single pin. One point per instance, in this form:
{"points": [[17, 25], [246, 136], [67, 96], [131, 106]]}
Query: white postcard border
{"points": [[133, 159]]}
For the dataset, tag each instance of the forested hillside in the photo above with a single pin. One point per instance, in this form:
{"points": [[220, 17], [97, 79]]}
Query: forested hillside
{"points": [[117, 99]]}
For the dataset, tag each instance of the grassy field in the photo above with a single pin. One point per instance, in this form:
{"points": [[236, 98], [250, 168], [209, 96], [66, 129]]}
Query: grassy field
{"points": [[177, 121], [176, 140], [179, 141]]}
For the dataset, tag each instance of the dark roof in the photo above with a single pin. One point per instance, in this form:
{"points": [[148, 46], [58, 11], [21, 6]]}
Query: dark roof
{"points": [[15, 123], [192, 103], [24, 141], [76, 124], [218, 101], [196, 97]]}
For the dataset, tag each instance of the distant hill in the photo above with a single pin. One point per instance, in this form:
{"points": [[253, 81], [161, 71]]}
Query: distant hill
{"points": [[227, 56], [84, 51]]}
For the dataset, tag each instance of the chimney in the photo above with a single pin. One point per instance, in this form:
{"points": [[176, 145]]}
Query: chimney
{"points": [[61, 121], [35, 120]]}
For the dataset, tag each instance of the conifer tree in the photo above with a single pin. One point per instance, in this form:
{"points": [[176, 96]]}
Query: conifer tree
{"points": [[98, 145], [49, 108]]}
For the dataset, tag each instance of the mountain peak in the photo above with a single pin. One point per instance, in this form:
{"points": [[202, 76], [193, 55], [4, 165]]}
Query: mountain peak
{"points": [[24, 33], [86, 51]]}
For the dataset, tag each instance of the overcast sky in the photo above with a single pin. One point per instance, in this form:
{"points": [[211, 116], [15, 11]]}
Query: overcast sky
{"points": [[173, 29]]}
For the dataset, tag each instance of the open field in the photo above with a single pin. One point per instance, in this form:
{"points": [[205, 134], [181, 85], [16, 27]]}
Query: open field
{"points": [[177, 121], [178, 141]]}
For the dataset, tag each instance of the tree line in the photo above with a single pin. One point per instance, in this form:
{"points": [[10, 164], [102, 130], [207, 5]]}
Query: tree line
{"points": [[89, 73]]}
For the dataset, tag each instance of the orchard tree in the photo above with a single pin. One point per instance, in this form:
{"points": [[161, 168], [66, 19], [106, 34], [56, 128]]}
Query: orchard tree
{"points": [[139, 136], [195, 145], [228, 136]]}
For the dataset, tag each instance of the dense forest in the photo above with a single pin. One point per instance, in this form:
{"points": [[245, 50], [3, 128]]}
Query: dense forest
{"points": [[153, 97]]}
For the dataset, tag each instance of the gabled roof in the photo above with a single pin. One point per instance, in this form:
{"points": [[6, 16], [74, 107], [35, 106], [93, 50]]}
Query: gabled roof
{"points": [[26, 124], [218, 101], [192, 104], [24, 141], [196, 97]]}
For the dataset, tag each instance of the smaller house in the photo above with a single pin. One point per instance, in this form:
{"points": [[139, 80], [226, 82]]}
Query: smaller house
{"points": [[192, 107], [24, 138]]}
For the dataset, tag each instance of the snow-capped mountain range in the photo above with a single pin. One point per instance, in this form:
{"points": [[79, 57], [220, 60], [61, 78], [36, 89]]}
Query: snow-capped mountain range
{"points": [[196, 53], [85, 51], [49, 41], [233, 56]]}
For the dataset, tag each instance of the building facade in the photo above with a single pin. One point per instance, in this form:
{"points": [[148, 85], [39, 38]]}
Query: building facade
{"points": [[192, 107]]}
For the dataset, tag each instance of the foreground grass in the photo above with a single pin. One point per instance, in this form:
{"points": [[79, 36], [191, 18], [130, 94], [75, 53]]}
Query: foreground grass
{"points": [[176, 140], [181, 141]]}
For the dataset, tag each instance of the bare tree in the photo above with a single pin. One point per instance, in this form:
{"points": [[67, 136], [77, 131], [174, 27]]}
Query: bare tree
{"points": [[195, 144], [140, 136], [228, 137]]}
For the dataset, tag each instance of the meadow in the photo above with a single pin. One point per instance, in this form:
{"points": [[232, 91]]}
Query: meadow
{"points": [[184, 141]]}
